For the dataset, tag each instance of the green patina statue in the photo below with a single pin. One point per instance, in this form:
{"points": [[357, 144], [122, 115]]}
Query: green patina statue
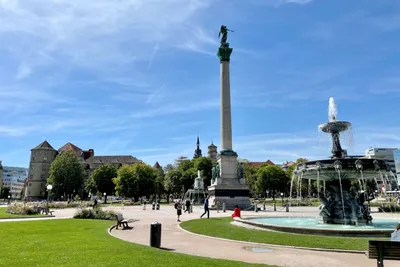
{"points": [[224, 51], [224, 31]]}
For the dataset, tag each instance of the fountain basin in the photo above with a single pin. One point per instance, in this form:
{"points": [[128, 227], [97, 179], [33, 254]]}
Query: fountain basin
{"points": [[310, 225], [334, 126], [327, 170]]}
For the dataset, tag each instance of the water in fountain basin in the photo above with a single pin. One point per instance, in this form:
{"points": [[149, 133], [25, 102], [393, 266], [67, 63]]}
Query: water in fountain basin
{"points": [[318, 183], [377, 185], [341, 195], [363, 181], [307, 222], [291, 187]]}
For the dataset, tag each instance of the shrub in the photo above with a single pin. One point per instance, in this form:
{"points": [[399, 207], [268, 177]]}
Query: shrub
{"points": [[389, 207], [97, 214], [22, 209]]}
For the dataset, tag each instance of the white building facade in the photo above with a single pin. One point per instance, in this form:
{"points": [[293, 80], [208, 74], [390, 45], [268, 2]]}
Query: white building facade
{"points": [[386, 154], [14, 178]]}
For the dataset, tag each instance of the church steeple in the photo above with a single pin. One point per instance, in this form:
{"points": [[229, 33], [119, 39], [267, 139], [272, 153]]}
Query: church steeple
{"points": [[197, 152]]}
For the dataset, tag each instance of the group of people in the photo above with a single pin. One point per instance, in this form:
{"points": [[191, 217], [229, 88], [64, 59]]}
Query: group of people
{"points": [[217, 205]]}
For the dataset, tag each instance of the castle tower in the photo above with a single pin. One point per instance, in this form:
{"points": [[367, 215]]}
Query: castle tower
{"points": [[212, 151], [41, 158], [197, 152]]}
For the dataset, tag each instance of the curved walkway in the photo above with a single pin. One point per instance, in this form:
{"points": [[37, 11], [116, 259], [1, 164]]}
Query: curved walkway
{"points": [[180, 241]]}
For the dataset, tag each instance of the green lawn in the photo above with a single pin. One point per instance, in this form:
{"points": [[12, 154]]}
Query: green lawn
{"points": [[5, 215], [222, 227], [76, 242]]}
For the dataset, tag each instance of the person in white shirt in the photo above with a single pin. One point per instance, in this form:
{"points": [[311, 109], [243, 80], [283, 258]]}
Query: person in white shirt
{"points": [[396, 234]]}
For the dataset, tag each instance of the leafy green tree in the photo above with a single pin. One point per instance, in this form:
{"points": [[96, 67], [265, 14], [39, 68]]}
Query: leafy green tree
{"points": [[273, 178], [4, 192], [173, 182], [250, 174], [135, 180], [159, 182], [188, 173], [205, 165], [291, 169], [66, 175], [101, 180]]}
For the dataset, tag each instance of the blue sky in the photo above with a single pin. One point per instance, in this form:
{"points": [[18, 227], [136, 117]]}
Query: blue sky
{"points": [[141, 77]]}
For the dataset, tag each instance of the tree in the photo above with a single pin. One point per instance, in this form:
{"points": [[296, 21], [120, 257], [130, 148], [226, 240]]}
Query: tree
{"points": [[250, 174], [4, 192], [188, 173], [159, 182], [271, 177], [205, 165], [135, 180], [101, 180], [66, 174], [173, 182], [291, 169]]}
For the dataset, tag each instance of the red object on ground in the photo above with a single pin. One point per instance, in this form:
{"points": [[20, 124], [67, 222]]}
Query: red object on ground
{"points": [[236, 213]]}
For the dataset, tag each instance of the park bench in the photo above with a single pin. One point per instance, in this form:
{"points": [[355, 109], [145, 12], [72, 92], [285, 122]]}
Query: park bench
{"points": [[383, 250], [121, 221]]}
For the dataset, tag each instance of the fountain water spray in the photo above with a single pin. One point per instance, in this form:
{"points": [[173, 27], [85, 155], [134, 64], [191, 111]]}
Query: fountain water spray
{"points": [[332, 110]]}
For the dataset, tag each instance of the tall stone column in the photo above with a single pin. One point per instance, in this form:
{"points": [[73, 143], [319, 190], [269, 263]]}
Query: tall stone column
{"points": [[228, 186], [226, 117]]}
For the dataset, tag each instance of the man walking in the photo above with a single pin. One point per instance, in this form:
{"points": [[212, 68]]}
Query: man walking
{"points": [[206, 210]]}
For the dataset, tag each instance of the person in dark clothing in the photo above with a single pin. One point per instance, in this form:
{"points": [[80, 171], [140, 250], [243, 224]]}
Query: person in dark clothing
{"points": [[187, 204], [206, 210]]}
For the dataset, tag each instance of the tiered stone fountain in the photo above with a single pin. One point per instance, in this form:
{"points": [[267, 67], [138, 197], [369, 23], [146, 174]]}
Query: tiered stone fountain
{"points": [[338, 204]]}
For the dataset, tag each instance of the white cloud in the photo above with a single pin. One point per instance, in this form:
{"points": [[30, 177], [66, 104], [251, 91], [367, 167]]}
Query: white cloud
{"points": [[153, 54]]}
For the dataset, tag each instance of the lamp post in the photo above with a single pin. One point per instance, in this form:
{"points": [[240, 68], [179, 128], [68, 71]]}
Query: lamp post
{"points": [[282, 198], [9, 199], [49, 187], [105, 197]]}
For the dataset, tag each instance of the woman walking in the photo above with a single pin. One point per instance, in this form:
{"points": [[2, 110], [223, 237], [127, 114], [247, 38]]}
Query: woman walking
{"points": [[178, 207]]}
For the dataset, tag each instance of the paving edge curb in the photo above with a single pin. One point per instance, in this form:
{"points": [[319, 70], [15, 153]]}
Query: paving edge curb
{"points": [[272, 245], [28, 217]]}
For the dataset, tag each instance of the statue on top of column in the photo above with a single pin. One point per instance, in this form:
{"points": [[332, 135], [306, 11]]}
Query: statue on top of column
{"points": [[224, 31]]}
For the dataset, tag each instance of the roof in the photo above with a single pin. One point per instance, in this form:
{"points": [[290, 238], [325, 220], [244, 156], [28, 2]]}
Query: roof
{"points": [[157, 165], [212, 145], [44, 145], [70, 147], [112, 160], [258, 164]]}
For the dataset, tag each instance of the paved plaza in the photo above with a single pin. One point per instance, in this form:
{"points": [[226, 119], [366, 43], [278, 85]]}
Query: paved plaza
{"points": [[178, 240]]}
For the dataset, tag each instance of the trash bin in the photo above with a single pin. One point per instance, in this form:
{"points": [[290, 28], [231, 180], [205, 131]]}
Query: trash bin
{"points": [[155, 235]]}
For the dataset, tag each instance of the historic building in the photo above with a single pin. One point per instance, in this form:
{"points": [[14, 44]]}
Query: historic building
{"points": [[44, 154], [212, 152], [197, 152]]}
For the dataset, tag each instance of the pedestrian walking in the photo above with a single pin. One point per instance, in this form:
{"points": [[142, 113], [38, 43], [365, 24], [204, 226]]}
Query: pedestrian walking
{"points": [[187, 204], [178, 207], [206, 210]]}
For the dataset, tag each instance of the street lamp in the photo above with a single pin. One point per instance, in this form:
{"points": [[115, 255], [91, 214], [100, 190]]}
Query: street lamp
{"points": [[105, 197], [282, 198], [9, 199], [49, 187]]}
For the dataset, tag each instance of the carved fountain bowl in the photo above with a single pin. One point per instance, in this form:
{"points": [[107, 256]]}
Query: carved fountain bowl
{"points": [[334, 126], [327, 170]]}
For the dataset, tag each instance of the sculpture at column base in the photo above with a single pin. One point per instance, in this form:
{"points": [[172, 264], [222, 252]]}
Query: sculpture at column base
{"points": [[228, 152], [230, 195]]}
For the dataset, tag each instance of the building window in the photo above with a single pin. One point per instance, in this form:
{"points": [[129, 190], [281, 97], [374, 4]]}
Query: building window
{"points": [[43, 177], [30, 184], [45, 158]]}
